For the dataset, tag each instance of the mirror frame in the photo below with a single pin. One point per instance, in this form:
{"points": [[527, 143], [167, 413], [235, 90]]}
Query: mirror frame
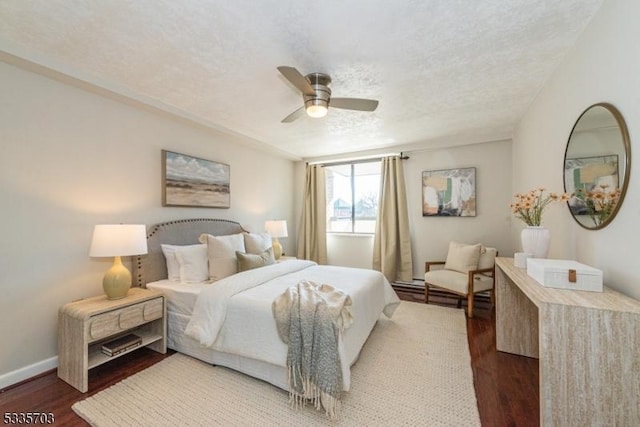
{"points": [[627, 161]]}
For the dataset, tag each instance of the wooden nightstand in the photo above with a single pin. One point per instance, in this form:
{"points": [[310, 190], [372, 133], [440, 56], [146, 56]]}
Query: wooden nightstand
{"points": [[84, 325]]}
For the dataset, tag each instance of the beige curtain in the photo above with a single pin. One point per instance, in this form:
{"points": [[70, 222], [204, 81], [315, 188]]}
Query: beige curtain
{"points": [[392, 243], [312, 236]]}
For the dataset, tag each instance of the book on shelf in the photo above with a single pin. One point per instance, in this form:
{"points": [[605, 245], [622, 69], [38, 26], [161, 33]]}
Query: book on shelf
{"points": [[122, 350], [122, 344]]}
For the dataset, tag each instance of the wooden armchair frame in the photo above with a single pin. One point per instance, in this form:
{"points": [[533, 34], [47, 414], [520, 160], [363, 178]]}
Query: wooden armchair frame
{"points": [[489, 272]]}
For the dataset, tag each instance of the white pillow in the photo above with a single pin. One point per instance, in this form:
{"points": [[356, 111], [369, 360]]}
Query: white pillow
{"points": [[193, 263], [257, 243], [173, 268], [221, 252], [462, 257]]}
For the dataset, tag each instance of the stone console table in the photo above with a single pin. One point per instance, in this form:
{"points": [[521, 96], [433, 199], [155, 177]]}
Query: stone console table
{"points": [[588, 345]]}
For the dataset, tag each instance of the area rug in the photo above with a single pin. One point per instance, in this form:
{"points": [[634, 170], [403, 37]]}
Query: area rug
{"points": [[415, 369]]}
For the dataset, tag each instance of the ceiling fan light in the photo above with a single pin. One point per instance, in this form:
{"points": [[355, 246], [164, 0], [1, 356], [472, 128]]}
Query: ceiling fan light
{"points": [[316, 111]]}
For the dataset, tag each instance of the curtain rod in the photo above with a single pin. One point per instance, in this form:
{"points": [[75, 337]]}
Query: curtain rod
{"points": [[358, 160]]}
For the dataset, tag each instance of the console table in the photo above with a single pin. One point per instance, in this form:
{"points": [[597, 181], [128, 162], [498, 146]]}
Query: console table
{"points": [[587, 343]]}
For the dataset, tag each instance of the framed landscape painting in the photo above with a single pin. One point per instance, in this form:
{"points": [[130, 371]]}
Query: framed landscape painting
{"points": [[191, 181], [449, 192]]}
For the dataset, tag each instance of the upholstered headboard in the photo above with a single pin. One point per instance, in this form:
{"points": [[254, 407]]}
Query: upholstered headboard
{"points": [[152, 266]]}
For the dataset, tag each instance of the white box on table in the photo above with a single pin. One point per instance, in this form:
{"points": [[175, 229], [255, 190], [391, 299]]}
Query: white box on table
{"points": [[565, 274]]}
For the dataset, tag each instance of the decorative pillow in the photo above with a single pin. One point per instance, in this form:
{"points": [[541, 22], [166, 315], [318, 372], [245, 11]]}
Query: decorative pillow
{"points": [[462, 257], [193, 263], [251, 261], [221, 252], [256, 243], [173, 268], [487, 257]]}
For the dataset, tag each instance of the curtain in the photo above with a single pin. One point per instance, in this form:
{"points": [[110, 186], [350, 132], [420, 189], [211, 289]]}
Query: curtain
{"points": [[312, 236], [392, 243]]}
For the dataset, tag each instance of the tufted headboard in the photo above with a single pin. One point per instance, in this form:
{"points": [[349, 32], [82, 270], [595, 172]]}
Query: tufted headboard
{"points": [[152, 266]]}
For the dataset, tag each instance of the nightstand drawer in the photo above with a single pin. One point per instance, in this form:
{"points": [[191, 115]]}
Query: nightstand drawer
{"points": [[130, 317], [153, 310], [112, 322], [103, 325]]}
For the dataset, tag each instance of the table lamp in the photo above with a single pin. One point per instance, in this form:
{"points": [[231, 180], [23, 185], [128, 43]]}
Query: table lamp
{"points": [[118, 240], [276, 229]]}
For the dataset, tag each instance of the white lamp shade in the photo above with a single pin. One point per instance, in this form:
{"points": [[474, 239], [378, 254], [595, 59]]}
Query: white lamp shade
{"points": [[276, 228], [118, 240]]}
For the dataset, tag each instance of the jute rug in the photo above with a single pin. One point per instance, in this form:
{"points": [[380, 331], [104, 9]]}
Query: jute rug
{"points": [[414, 370]]}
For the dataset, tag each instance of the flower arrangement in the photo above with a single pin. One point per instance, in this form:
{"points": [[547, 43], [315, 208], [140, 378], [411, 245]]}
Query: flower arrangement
{"points": [[529, 206], [600, 202]]}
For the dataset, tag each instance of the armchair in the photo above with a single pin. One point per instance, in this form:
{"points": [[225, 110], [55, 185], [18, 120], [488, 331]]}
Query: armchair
{"points": [[468, 270]]}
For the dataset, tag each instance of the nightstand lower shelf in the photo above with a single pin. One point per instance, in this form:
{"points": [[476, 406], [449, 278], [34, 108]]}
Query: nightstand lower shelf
{"points": [[97, 357]]}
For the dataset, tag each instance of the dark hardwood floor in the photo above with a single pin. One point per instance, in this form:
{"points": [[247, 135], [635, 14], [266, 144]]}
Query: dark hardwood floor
{"points": [[506, 385], [47, 393]]}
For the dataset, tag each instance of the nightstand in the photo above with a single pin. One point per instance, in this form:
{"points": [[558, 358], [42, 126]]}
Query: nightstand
{"points": [[286, 258], [84, 325]]}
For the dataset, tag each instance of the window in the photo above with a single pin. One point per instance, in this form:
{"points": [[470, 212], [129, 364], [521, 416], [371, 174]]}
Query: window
{"points": [[352, 197]]}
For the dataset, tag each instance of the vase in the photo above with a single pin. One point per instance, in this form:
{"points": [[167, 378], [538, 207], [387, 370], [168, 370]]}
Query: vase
{"points": [[535, 241]]}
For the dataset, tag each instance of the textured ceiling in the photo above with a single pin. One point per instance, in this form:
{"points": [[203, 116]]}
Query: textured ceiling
{"points": [[459, 71]]}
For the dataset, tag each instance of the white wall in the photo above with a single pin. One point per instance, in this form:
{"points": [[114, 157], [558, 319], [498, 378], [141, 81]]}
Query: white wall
{"points": [[602, 67], [430, 236], [71, 159], [355, 250]]}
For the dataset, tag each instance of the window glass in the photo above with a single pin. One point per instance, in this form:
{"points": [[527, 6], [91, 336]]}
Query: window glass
{"points": [[352, 197]]}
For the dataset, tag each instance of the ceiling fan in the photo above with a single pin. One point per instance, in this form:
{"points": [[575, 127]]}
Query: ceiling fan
{"points": [[317, 95]]}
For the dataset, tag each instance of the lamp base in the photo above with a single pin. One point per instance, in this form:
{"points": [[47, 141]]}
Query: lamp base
{"points": [[117, 280], [277, 249]]}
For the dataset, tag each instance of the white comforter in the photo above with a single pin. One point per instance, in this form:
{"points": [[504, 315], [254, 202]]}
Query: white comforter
{"points": [[234, 314]]}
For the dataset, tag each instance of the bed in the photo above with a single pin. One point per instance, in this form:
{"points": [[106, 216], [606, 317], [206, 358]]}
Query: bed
{"points": [[247, 339]]}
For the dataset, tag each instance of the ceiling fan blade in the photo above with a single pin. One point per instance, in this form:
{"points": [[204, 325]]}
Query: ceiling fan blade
{"points": [[354, 104], [297, 79], [294, 116]]}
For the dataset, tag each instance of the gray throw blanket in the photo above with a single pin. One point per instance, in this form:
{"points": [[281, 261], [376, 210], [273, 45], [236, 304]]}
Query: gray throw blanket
{"points": [[309, 318]]}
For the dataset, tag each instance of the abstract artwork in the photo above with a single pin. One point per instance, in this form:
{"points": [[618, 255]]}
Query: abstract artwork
{"points": [[586, 174], [191, 181], [449, 192]]}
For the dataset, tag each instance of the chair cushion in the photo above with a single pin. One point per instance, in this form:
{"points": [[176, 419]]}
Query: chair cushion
{"points": [[457, 282], [448, 279], [462, 257], [487, 257]]}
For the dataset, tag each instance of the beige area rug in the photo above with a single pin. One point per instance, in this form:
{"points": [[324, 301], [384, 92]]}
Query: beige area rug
{"points": [[414, 370]]}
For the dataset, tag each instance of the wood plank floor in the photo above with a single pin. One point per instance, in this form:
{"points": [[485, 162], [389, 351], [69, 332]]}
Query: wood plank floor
{"points": [[506, 385]]}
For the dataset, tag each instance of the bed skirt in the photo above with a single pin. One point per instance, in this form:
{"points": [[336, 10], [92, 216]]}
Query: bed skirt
{"points": [[178, 341]]}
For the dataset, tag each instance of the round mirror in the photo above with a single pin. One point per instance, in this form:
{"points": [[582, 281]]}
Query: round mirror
{"points": [[596, 166]]}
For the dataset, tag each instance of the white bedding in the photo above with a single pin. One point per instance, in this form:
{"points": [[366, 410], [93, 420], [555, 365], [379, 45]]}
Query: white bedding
{"points": [[181, 297], [234, 315]]}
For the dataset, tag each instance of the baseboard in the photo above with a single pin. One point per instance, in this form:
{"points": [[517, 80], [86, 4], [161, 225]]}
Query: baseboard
{"points": [[19, 375], [415, 283]]}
